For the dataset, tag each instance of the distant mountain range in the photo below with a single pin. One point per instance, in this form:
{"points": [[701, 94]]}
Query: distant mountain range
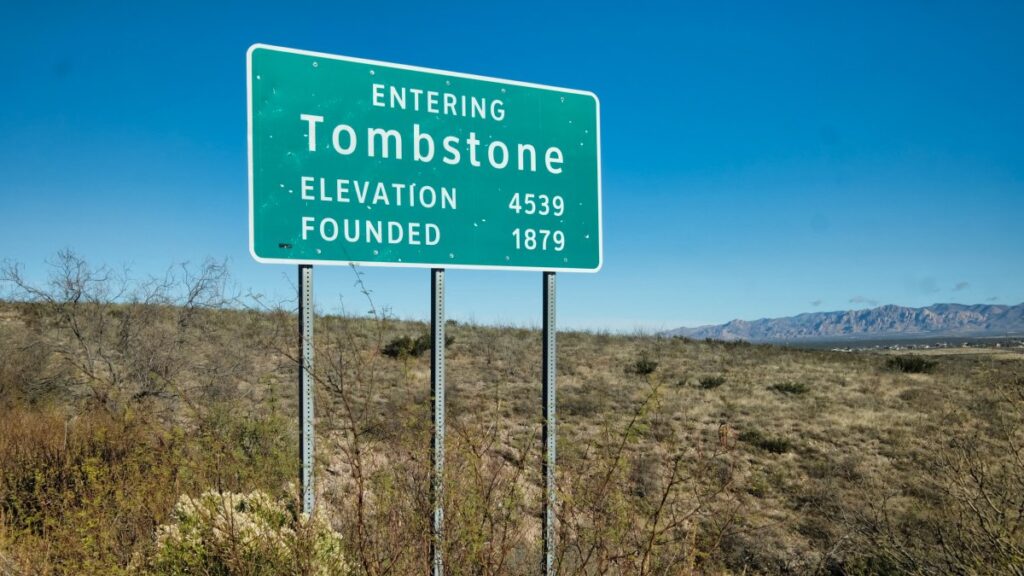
{"points": [[937, 320]]}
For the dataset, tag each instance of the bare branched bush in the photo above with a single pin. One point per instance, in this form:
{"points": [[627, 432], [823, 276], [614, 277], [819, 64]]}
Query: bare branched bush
{"points": [[646, 514], [118, 341], [965, 513]]}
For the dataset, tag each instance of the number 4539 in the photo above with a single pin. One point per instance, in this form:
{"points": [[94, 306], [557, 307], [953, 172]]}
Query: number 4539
{"points": [[540, 204]]}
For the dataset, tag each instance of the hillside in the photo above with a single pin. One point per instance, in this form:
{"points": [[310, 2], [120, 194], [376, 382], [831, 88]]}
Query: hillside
{"points": [[676, 456], [954, 320]]}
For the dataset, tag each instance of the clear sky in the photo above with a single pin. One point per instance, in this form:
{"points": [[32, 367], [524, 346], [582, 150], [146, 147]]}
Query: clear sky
{"points": [[760, 159]]}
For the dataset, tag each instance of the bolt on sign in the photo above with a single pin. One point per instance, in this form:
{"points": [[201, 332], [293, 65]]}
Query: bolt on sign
{"points": [[357, 161]]}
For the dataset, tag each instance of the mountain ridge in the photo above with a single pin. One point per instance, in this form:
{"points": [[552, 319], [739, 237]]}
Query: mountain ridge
{"points": [[888, 321]]}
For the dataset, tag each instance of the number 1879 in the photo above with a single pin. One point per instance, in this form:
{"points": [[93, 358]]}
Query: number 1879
{"points": [[534, 239]]}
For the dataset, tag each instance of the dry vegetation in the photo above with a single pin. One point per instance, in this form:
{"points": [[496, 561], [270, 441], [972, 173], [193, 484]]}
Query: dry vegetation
{"points": [[675, 456]]}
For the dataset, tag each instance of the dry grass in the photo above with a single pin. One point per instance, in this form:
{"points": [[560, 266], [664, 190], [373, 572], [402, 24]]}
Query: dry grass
{"points": [[675, 456]]}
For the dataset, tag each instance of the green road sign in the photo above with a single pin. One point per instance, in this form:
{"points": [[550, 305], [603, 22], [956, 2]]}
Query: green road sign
{"points": [[356, 161]]}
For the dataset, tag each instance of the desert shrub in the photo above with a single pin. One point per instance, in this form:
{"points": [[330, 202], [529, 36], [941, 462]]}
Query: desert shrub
{"points": [[587, 400], [965, 513], [117, 342], [642, 366], [792, 388], [406, 347], [250, 534], [758, 485], [733, 344], [23, 362], [910, 364], [83, 494], [644, 476], [774, 445], [710, 382], [400, 347], [639, 512], [233, 449], [728, 344], [660, 428]]}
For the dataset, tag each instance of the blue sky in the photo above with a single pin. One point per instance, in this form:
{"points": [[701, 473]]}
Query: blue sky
{"points": [[760, 159]]}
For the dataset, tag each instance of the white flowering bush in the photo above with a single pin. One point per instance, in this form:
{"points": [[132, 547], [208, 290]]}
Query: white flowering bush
{"points": [[245, 534]]}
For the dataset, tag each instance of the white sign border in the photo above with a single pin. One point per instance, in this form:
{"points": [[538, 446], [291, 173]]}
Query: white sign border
{"points": [[252, 238]]}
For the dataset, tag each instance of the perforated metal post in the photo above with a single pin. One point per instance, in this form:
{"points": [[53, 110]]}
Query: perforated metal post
{"points": [[548, 392], [437, 399], [306, 384]]}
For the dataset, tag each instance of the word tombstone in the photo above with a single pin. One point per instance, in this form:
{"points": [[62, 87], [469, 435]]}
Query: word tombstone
{"points": [[356, 161]]}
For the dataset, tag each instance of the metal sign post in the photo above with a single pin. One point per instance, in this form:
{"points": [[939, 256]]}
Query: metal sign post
{"points": [[306, 385], [437, 398], [549, 436]]}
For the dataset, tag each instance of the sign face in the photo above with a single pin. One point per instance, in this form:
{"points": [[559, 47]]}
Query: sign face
{"points": [[356, 161]]}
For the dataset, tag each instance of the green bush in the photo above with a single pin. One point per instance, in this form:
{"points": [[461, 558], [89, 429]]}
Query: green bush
{"points": [[400, 347], [251, 534], [910, 364], [773, 445], [793, 388], [406, 347], [710, 382], [642, 366]]}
